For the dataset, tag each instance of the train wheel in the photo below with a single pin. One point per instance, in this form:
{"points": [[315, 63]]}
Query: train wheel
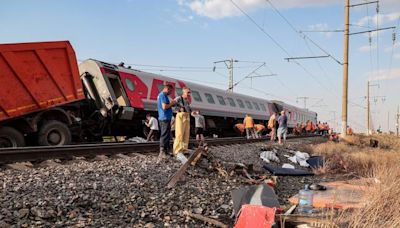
{"points": [[54, 133], [10, 137]]}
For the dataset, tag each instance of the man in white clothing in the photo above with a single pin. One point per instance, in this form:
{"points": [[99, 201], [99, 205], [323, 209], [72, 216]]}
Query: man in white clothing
{"points": [[152, 123]]}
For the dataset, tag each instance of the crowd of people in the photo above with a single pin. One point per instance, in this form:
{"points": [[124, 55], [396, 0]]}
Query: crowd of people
{"points": [[178, 127], [309, 127], [168, 127]]}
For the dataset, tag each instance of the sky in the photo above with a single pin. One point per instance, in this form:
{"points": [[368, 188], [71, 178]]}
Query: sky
{"points": [[183, 39]]}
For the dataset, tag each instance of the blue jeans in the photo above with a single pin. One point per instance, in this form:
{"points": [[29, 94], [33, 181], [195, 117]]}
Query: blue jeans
{"points": [[165, 134]]}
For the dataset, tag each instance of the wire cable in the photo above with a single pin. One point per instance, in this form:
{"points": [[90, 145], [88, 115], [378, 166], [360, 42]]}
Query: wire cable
{"points": [[302, 35]]}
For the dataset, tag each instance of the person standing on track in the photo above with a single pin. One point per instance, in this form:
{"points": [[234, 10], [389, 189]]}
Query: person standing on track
{"points": [[282, 129], [152, 123], [249, 125], [164, 106], [200, 125], [272, 126], [182, 125]]}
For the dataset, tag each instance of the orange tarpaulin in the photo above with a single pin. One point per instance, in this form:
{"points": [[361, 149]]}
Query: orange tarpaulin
{"points": [[339, 195]]}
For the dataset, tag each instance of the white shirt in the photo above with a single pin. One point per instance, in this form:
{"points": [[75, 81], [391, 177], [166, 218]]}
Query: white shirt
{"points": [[153, 124]]}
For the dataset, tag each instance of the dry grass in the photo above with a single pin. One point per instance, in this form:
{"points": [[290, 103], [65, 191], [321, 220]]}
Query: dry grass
{"points": [[357, 158], [383, 206]]}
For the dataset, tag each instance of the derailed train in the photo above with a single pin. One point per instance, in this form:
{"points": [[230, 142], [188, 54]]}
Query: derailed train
{"points": [[47, 99], [221, 108]]}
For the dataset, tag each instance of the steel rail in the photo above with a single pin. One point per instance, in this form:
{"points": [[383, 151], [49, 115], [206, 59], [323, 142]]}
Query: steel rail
{"points": [[38, 153]]}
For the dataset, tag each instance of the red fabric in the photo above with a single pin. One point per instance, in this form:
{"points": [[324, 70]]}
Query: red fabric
{"points": [[254, 216]]}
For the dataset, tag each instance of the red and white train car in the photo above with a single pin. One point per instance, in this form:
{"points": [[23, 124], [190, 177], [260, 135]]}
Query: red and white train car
{"points": [[126, 88]]}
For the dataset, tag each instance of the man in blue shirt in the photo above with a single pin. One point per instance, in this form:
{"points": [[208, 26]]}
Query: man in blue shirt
{"points": [[164, 116], [282, 129]]}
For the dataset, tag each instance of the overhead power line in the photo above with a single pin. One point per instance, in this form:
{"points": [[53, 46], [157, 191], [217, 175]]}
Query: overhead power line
{"points": [[302, 35], [276, 43]]}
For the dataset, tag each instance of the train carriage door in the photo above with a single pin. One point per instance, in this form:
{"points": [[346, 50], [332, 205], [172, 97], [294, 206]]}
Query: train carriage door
{"points": [[135, 89], [117, 89]]}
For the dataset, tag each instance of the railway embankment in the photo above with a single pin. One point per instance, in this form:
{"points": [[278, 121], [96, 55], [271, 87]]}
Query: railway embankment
{"points": [[130, 190]]}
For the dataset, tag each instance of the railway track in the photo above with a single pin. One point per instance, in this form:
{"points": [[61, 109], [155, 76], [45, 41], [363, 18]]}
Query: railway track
{"points": [[10, 155]]}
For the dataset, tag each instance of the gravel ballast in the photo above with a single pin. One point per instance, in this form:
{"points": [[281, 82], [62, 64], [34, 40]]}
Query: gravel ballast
{"points": [[130, 191]]}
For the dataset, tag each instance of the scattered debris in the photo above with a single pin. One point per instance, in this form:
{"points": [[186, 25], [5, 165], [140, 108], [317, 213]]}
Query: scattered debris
{"points": [[256, 216], [137, 139], [205, 219], [300, 158], [269, 156], [339, 195], [315, 162], [262, 195], [277, 171], [317, 187], [290, 210], [175, 178], [131, 191], [288, 166]]}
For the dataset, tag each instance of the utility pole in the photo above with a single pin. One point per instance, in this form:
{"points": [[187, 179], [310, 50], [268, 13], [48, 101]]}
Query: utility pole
{"points": [[304, 99], [368, 110], [229, 65], [346, 58], [345, 68], [230, 85], [369, 107]]}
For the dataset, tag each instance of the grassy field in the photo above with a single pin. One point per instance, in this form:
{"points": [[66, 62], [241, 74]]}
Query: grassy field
{"points": [[355, 158]]}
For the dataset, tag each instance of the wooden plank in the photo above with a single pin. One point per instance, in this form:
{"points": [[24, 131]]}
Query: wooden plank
{"points": [[178, 174]]}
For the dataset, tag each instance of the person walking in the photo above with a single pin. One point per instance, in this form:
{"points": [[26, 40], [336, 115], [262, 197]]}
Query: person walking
{"points": [[164, 106], [182, 125], [152, 123], [282, 129], [272, 126], [249, 125], [200, 125]]}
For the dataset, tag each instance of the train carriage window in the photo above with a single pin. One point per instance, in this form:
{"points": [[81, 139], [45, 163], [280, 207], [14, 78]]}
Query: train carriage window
{"points": [[179, 91], [256, 106], [209, 98], [196, 96], [231, 102], [248, 104], [240, 102], [263, 107], [130, 84], [221, 100], [160, 87]]}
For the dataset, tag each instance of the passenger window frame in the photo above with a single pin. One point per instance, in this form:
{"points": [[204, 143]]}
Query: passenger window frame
{"points": [[256, 106], [248, 105], [221, 100], [241, 103], [207, 95], [194, 96], [263, 107], [231, 102]]}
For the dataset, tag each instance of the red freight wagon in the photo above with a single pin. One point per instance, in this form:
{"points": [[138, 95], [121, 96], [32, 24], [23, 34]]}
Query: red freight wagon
{"points": [[36, 76]]}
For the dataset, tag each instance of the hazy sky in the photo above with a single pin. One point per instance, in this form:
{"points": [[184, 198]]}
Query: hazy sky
{"points": [[195, 33]]}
